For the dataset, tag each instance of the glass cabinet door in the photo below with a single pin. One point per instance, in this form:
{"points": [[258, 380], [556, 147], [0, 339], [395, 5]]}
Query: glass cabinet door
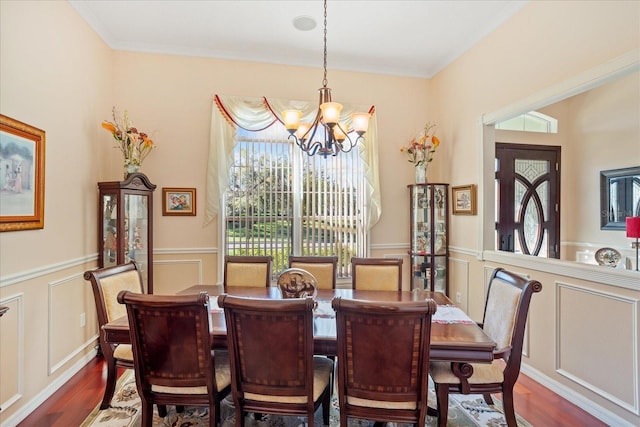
{"points": [[429, 231], [126, 225], [110, 230], [136, 229]]}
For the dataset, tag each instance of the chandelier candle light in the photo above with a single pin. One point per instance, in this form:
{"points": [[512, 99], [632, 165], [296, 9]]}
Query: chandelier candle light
{"points": [[633, 231], [336, 134]]}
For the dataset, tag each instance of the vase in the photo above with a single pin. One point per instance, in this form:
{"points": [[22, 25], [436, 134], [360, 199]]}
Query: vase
{"points": [[129, 169], [421, 174]]}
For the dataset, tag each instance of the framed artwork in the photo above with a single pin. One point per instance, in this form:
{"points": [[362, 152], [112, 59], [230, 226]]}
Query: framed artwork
{"points": [[464, 200], [22, 175], [179, 201]]}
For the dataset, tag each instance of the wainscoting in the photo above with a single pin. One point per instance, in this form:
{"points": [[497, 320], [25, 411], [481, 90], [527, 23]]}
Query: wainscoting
{"points": [[579, 324]]}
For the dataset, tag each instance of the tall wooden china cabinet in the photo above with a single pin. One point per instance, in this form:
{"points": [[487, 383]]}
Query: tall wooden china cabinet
{"points": [[125, 229], [429, 253]]}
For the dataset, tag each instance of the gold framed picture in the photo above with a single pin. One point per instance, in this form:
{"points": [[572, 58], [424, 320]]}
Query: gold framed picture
{"points": [[179, 201], [22, 179], [464, 199]]}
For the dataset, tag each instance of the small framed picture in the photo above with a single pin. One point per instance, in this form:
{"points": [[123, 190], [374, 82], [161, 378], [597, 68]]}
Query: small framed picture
{"points": [[179, 201], [464, 200]]}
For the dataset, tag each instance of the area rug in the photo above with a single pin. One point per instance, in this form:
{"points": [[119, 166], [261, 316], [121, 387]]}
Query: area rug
{"points": [[464, 411]]}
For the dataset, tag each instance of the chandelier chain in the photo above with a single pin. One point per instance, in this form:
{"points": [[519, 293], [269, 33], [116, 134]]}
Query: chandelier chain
{"points": [[324, 80]]}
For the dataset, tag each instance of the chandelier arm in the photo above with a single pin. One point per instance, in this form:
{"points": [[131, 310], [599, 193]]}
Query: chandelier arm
{"points": [[309, 148]]}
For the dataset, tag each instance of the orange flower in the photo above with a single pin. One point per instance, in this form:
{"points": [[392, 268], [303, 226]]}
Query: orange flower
{"points": [[422, 147], [109, 126], [134, 145]]}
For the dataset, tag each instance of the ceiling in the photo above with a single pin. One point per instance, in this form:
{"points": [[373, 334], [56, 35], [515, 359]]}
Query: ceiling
{"points": [[401, 37]]}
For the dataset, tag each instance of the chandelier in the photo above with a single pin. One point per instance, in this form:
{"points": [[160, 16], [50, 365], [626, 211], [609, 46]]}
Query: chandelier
{"points": [[334, 136]]}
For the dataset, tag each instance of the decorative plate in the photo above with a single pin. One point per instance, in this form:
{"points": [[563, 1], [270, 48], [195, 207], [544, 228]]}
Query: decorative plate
{"points": [[608, 256]]}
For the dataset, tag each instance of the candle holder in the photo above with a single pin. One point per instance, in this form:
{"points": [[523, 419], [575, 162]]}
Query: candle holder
{"points": [[633, 231]]}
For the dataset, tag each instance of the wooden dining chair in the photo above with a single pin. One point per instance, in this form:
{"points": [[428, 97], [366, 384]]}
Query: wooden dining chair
{"points": [[297, 283], [377, 274], [106, 284], [273, 369], [247, 270], [174, 363], [323, 268], [505, 316], [383, 359]]}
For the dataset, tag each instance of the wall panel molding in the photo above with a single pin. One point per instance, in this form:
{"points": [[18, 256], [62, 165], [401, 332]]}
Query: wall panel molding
{"points": [[18, 301], [567, 370], [463, 265], [52, 365], [197, 262], [46, 269]]}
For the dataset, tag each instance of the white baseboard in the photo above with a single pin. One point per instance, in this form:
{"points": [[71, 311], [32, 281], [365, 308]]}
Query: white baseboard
{"points": [[582, 402], [41, 397]]}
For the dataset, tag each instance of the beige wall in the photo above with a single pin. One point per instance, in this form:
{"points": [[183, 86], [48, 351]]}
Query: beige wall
{"points": [[57, 75], [520, 59], [598, 130]]}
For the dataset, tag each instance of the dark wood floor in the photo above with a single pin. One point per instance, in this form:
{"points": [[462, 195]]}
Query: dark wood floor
{"points": [[70, 405]]}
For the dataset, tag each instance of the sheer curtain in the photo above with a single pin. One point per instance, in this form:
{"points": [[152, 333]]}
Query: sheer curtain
{"points": [[254, 114]]}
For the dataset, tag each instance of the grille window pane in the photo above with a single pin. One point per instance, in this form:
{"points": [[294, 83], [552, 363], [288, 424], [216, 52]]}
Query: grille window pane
{"points": [[278, 193]]}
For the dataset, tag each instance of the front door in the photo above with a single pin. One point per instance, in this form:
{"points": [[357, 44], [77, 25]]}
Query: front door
{"points": [[528, 199]]}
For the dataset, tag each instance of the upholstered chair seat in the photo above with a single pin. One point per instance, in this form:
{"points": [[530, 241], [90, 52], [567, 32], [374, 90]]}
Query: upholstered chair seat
{"points": [[123, 352], [482, 373], [322, 369]]}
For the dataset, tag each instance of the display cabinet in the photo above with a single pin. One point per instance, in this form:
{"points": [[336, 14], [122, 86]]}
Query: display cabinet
{"points": [[429, 253], [125, 230]]}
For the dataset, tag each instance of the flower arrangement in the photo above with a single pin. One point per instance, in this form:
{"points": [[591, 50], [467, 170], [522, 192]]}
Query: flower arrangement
{"points": [[134, 145], [423, 146]]}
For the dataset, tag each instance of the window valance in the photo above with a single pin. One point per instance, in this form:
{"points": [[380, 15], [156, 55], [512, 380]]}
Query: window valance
{"points": [[255, 114]]}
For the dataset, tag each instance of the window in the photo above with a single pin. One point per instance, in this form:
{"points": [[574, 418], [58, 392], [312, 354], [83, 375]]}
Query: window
{"points": [[281, 201], [532, 121]]}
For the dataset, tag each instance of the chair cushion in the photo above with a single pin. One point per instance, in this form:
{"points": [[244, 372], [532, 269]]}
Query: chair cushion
{"points": [[223, 371], [111, 287], [223, 378], [377, 277], [322, 272], [246, 274], [322, 369], [500, 315], [483, 373], [123, 352], [356, 401]]}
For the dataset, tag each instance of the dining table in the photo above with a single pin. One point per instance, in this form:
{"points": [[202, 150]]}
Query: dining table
{"points": [[454, 336]]}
